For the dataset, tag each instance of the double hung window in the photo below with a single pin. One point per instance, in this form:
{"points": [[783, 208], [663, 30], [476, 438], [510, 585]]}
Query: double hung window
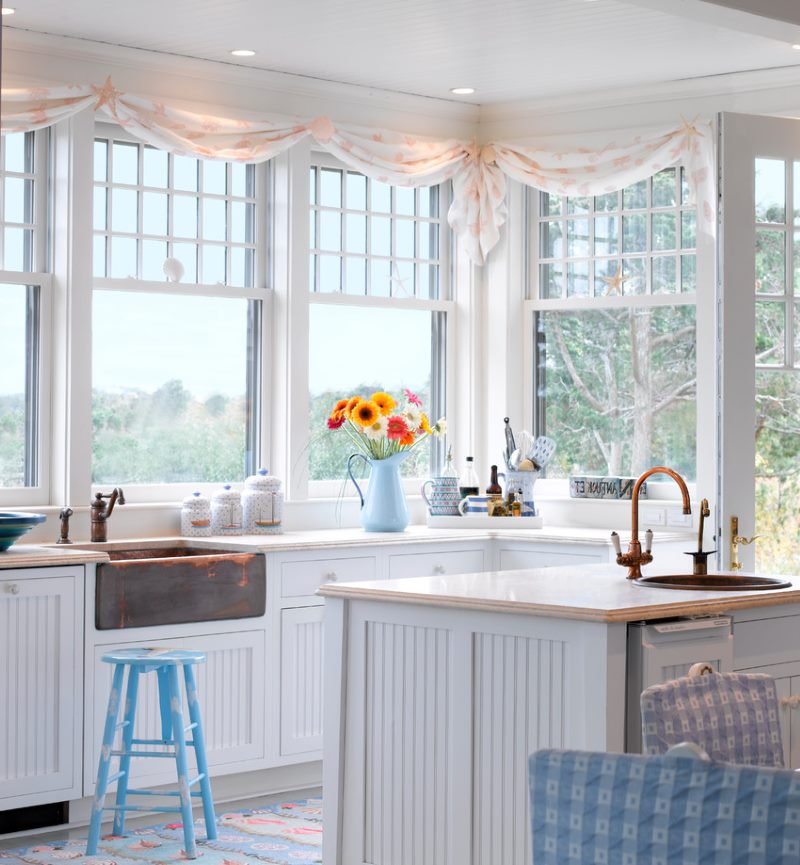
{"points": [[614, 329], [24, 318], [180, 279], [379, 290]]}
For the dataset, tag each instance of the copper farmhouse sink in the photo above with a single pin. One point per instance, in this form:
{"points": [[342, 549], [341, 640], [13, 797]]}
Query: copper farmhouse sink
{"points": [[145, 586]]}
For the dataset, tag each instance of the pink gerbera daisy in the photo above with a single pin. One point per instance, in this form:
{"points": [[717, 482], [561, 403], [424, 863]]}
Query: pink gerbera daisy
{"points": [[412, 397]]}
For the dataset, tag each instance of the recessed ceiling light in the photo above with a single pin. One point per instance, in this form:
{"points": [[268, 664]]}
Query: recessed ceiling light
{"points": [[243, 52], [7, 10], [462, 91]]}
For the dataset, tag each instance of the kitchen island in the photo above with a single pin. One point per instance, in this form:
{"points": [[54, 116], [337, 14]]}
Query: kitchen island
{"points": [[437, 689]]}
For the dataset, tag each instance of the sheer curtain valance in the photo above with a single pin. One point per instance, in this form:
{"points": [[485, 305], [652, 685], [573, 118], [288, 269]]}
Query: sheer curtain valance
{"points": [[575, 165]]}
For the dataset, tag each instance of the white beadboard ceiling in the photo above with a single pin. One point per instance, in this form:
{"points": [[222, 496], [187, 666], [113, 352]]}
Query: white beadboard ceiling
{"points": [[507, 50]]}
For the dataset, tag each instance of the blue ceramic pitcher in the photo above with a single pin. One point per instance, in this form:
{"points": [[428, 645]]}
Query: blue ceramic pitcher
{"points": [[383, 508]]}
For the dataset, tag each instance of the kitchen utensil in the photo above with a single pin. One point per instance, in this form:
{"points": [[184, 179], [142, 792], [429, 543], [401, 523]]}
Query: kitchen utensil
{"points": [[541, 451], [525, 443]]}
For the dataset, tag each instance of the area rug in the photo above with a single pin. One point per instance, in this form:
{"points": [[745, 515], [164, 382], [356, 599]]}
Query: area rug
{"points": [[285, 834]]}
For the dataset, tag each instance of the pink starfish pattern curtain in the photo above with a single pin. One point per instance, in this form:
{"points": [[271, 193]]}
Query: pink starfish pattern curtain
{"points": [[478, 174]]}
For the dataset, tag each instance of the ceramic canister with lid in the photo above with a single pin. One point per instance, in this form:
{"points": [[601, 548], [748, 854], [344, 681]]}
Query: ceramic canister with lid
{"points": [[262, 504], [196, 516], [226, 512]]}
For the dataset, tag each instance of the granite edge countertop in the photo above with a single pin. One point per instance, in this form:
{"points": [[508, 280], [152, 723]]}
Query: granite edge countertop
{"points": [[597, 593]]}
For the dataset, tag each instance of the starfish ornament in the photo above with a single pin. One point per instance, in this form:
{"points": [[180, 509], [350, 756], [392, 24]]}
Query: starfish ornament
{"points": [[614, 283]]}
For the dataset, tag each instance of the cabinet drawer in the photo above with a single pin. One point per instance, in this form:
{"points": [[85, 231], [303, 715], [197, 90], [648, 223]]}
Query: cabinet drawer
{"points": [[431, 564], [301, 578], [766, 641]]}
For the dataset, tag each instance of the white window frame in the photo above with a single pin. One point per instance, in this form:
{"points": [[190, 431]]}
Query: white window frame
{"points": [[331, 489], [261, 291], [40, 278], [604, 512]]}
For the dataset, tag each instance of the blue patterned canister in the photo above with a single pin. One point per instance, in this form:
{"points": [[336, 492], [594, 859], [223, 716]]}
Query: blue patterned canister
{"points": [[262, 504], [196, 516], [226, 512]]}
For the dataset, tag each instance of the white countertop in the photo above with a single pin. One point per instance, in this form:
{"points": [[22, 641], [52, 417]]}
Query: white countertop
{"points": [[31, 556], [593, 592]]}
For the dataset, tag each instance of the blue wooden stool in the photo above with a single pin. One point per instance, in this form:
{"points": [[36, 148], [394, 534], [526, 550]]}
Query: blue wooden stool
{"points": [[165, 663]]}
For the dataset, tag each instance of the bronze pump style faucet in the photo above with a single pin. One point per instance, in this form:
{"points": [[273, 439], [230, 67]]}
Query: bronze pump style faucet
{"points": [[101, 512], [634, 558]]}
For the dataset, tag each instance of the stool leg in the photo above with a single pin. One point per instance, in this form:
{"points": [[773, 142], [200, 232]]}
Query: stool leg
{"points": [[105, 760], [181, 761], [163, 703], [200, 752], [125, 762]]}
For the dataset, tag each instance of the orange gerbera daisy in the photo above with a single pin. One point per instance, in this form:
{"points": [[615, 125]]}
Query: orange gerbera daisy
{"points": [[425, 424], [365, 413], [408, 439], [339, 407], [351, 404], [384, 401]]}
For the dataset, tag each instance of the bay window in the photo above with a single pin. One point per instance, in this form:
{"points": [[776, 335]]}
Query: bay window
{"points": [[24, 319], [379, 297], [615, 367], [177, 321]]}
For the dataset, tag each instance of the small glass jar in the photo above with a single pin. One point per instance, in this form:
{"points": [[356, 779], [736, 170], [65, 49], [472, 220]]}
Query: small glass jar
{"points": [[262, 504], [226, 512], [196, 516]]}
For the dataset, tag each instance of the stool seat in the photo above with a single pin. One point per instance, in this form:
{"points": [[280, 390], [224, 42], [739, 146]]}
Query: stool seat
{"points": [[153, 656], [165, 662]]}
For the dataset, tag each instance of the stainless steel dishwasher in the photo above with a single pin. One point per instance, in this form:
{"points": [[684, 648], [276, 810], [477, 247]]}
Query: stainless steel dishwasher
{"points": [[660, 651]]}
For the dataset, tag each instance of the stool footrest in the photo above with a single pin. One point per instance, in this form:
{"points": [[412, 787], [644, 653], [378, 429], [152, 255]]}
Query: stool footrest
{"points": [[169, 754], [166, 809], [122, 724], [116, 776], [164, 793], [152, 741]]}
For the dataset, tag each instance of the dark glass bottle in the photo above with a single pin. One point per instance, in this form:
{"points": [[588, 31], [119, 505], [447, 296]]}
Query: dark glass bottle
{"points": [[494, 488]]}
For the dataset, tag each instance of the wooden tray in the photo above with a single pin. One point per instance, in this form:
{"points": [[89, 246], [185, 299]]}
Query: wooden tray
{"points": [[481, 521]]}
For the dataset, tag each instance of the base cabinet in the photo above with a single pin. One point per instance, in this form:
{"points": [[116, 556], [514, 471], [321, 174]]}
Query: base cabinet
{"points": [[301, 681], [41, 613], [231, 688]]}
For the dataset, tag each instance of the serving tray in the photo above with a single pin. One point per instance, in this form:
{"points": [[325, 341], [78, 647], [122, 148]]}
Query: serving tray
{"points": [[481, 521]]}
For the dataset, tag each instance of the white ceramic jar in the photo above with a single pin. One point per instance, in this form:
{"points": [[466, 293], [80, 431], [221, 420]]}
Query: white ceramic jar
{"points": [[196, 516], [226, 512], [262, 504]]}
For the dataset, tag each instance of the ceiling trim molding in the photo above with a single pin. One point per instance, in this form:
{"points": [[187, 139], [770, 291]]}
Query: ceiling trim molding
{"points": [[18, 42], [694, 88]]}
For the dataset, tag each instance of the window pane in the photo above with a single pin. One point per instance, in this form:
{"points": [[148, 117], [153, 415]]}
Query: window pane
{"points": [[16, 403], [664, 231], [330, 192], [125, 211], [607, 202], [184, 173], [184, 216], [330, 230], [634, 197], [356, 229], [428, 201], [186, 253], [550, 245], [770, 332], [606, 235], [18, 200], [380, 197], [398, 345], [664, 275], [550, 205], [214, 181], [154, 213], [381, 239], [380, 278], [579, 205], [578, 279], [688, 229], [688, 273], [18, 152], [429, 240], [330, 273], [100, 161], [770, 261], [404, 201], [588, 358], [770, 193], [169, 404], [664, 188], [214, 220], [242, 179], [156, 163], [404, 236], [123, 257], [153, 254], [634, 233], [99, 214], [550, 280], [125, 162], [99, 256], [213, 264], [577, 237], [355, 275]]}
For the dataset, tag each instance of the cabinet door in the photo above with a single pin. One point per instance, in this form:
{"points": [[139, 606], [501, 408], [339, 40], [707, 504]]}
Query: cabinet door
{"points": [[231, 688], [301, 680], [514, 559], [39, 680], [788, 688]]}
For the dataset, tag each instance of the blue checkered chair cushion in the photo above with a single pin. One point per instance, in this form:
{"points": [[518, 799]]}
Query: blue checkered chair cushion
{"points": [[625, 809], [732, 716]]}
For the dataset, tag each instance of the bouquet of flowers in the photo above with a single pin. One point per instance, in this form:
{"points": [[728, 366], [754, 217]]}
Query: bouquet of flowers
{"points": [[379, 427]]}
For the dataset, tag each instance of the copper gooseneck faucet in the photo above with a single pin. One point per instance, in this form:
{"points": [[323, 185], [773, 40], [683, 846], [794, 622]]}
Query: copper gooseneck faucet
{"points": [[102, 511], [634, 558]]}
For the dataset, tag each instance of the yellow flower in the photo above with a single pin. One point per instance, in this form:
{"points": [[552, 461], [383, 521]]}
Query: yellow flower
{"points": [[384, 402], [425, 424], [365, 413], [351, 404]]}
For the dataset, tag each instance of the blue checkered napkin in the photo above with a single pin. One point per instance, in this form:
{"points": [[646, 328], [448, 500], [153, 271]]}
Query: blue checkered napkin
{"points": [[625, 809], [732, 716]]}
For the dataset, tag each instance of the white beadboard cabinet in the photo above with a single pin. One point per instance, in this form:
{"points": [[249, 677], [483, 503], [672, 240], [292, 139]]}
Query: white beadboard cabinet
{"points": [[41, 712]]}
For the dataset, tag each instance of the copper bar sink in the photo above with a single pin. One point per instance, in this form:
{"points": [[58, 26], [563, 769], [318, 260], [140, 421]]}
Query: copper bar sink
{"points": [[712, 582], [148, 586]]}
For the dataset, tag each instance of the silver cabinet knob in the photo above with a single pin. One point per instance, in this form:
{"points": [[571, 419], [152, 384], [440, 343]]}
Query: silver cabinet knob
{"points": [[331, 577], [438, 569], [13, 588], [792, 702]]}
